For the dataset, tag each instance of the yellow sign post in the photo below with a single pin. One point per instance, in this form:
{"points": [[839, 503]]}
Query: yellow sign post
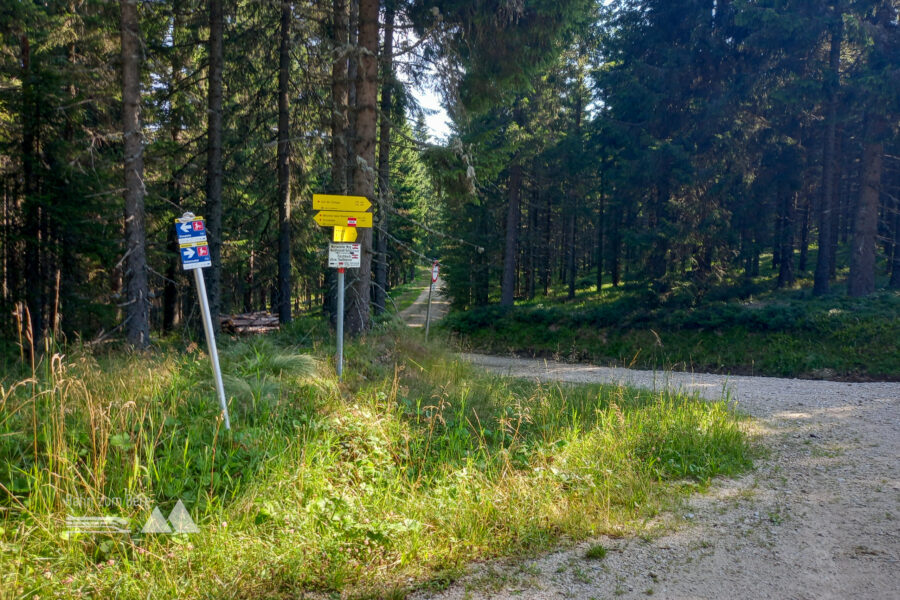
{"points": [[346, 214], [328, 218], [340, 203], [344, 234]]}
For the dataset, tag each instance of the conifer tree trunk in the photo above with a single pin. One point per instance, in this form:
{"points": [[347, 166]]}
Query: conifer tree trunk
{"points": [[137, 311], [600, 225], [173, 262], [545, 247], [339, 120], [571, 264], [357, 312], [214, 160], [861, 281], [508, 283], [352, 100], [786, 240], [531, 271], [170, 289], [34, 296], [894, 283], [657, 259], [823, 260], [838, 200], [779, 232], [340, 124], [615, 247], [384, 158], [804, 236], [284, 168]]}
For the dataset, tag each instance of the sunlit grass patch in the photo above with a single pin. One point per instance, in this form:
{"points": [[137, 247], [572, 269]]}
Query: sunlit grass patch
{"points": [[417, 465]]}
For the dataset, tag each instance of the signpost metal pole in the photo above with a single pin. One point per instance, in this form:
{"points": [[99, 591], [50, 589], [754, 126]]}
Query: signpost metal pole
{"points": [[428, 310], [211, 342], [194, 250], [340, 324], [434, 274]]}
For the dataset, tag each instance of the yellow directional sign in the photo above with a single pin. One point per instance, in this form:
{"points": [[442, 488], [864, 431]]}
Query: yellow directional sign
{"points": [[340, 203], [328, 218], [344, 234]]}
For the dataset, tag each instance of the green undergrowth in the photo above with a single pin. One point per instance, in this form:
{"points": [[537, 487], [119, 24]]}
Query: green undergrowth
{"points": [[393, 480], [791, 334]]}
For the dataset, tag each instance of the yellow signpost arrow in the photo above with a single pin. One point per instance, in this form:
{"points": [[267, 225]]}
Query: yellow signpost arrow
{"points": [[340, 203], [344, 234], [328, 218]]}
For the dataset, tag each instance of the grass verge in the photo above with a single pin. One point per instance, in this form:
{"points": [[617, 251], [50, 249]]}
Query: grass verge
{"points": [[416, 466]]}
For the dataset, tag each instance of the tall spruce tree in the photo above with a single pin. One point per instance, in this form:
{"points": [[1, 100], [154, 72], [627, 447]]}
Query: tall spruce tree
{"points": [[137, 291], [357, 307]]}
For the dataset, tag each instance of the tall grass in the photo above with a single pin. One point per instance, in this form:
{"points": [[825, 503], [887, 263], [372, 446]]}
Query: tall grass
{"points": [[417, 465]]}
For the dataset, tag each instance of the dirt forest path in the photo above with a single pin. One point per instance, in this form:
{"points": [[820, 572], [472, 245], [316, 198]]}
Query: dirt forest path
{"points": [[414, 314], [818, 518]]}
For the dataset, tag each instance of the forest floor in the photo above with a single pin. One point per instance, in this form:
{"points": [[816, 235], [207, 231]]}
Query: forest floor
{"points": [[818, 518]]}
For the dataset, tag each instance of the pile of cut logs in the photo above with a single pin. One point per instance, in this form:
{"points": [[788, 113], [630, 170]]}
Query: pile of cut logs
{"points": [[249, 323]]}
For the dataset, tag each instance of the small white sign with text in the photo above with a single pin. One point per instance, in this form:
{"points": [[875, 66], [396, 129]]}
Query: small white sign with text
{"points": [[343, 256]]}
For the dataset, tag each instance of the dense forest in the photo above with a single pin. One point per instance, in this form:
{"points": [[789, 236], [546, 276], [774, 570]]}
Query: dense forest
{"points": [[678, 145]]}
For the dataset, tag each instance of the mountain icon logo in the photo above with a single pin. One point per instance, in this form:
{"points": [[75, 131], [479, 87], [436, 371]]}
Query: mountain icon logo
{"points": [[179, 521]]}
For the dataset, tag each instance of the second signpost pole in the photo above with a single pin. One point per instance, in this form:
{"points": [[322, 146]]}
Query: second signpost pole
{"points": [[340, 324], [434, 277]]}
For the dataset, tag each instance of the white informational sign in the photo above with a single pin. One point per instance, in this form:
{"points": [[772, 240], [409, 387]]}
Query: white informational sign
{"points": [[343, 256]]}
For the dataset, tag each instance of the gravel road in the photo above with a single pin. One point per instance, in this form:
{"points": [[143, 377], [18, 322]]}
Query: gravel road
{"points": [[818, 518], [414, 314]]}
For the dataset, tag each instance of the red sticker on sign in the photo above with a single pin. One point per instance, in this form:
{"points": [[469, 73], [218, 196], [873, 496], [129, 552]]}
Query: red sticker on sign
{"points": [[198, 225], [351, 221], [203, 251]]}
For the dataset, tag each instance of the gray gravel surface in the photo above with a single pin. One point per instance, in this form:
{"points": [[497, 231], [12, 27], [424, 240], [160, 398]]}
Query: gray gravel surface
{"points": [[818, 518], [414, 314]]}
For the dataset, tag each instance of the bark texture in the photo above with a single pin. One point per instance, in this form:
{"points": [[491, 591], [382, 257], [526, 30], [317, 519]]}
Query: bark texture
{"points": [[340, 124], [34, 294], [352, 100], [384, 159], [823, 260], [357, 311], [786, 239], [508, 283], [137, 297], [339, 119], [214, 160], [861, 281], [284, 168]]}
